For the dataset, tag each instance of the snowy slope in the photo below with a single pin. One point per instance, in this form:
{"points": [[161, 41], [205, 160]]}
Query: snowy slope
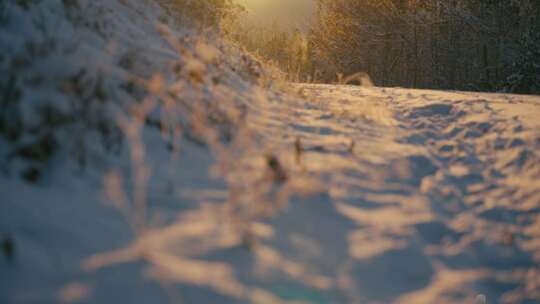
{"points": [[206, 187]]}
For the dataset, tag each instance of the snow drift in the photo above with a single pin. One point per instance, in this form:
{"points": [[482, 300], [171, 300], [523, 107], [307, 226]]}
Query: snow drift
{"points": [[143, 161]]}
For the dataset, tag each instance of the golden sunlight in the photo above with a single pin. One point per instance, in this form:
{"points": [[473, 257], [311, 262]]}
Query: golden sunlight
{"points": [[290, 14]]}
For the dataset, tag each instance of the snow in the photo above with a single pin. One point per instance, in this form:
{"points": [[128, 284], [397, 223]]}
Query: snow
{"points": [[226, 191]]}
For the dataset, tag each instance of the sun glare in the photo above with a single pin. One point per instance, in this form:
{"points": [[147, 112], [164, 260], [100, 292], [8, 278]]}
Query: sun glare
{"points": [[290, 14]]}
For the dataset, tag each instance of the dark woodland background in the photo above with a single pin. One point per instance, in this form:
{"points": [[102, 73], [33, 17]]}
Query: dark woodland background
{"points": [[475, 45]]}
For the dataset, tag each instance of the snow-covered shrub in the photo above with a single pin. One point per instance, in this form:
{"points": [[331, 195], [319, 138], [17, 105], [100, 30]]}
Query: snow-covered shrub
{"points": [[69, 68]]}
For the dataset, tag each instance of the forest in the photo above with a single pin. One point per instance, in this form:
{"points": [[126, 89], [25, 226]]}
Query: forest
{"points": [[469, 45]]}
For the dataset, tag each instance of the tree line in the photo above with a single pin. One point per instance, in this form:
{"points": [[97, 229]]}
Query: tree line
{"points": [[477, 45]]}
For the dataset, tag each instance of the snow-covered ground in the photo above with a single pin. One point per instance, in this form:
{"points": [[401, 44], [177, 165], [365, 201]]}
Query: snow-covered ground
{"points": [[176, 177]]}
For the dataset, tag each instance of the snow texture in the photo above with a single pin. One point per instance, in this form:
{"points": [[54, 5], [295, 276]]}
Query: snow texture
{"points": [[224, 191]]}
